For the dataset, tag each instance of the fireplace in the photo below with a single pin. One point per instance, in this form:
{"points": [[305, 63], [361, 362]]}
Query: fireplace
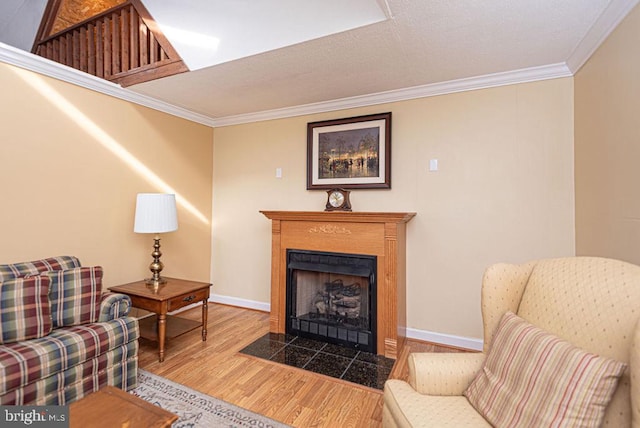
{"points": [[380, 235], [331, 297]]}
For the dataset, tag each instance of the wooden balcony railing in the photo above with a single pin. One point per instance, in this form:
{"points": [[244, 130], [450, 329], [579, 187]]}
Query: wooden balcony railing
{"points": [[122, 45]]}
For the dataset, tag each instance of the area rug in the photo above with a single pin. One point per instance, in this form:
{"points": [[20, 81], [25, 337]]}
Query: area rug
{"points": [[194, 408]]}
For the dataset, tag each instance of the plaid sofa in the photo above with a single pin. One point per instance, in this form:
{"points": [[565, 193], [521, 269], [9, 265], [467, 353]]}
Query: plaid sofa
{"points": [[60, 336]]}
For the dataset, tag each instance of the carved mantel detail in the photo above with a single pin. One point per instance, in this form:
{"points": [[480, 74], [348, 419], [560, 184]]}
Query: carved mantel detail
{"points": [[369, 233], [330, 229]]}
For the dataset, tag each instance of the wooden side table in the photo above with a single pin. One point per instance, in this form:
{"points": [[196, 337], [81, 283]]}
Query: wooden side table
{"points": [[175, 294], [111, 407]]}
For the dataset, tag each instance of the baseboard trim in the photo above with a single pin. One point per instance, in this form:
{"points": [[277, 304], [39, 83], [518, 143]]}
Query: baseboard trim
{"points": [[412, 333], [241, 303], [445, 339]]}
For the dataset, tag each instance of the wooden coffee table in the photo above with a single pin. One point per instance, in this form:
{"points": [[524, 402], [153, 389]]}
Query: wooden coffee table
{"points": [[175, 294], [112, 407]]}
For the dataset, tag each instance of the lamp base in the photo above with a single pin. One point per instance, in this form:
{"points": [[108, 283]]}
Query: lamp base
{"points": [[151, 281], [156, 266], [155, 284]]}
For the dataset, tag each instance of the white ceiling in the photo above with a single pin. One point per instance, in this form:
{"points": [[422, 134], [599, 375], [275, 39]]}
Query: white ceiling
{"points": [[207, 33], [395, 49]]}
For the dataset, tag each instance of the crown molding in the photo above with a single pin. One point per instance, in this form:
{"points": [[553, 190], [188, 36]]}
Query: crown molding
{"points": [[613, 14], [532, 74], [29, 61], [35, 63]]}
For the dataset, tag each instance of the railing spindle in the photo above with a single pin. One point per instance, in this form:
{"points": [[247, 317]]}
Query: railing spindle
{"points": [[107, 47], [124, 39], [153, 47], [99, 49], [135, 39], [56, 50], [49, 51], [76, 49], [115, 44], [82, 39], [62, 59], [91, 46], [144, 43], [69, 61]]}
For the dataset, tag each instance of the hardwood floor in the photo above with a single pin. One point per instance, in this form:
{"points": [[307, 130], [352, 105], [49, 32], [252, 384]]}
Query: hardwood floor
{"points": [[289, 395]]}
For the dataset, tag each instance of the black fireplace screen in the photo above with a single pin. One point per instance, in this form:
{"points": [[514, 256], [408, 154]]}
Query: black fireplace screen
{"points": [[331, 297]]}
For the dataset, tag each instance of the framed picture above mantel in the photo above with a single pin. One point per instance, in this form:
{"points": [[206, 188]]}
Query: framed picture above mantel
{"points": [[350, 153]]}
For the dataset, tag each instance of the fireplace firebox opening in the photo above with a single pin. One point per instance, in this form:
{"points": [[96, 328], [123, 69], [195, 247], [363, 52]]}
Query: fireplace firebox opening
{"points": [[331, 297]]}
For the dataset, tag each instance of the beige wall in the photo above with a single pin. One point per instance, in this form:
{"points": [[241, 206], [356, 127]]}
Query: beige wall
{"points": [[504, 192], [607, 140], [70, 169]]}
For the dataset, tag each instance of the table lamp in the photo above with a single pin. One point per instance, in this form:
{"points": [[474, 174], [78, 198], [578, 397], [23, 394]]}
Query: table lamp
{"points": [[156, 213]]}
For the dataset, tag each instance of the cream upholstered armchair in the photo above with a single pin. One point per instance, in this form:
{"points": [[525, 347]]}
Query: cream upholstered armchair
{"points": [[591, 303]]}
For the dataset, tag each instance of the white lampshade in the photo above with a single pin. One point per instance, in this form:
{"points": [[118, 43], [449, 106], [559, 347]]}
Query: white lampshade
{"points": [[156, 213]]}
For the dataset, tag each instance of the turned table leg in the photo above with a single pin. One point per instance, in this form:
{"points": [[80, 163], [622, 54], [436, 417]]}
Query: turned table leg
{"points": [[162, 330], [204, 320]]}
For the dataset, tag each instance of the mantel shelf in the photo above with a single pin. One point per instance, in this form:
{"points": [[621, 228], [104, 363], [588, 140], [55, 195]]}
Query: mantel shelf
{"points": [[340, 216]]}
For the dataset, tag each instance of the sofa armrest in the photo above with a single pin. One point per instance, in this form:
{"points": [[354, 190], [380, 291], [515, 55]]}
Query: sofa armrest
{"points": [[443, 373], [114, 305]]}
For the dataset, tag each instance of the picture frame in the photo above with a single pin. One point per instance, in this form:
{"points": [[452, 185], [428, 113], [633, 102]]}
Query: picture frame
{"points": [[349, 153]]}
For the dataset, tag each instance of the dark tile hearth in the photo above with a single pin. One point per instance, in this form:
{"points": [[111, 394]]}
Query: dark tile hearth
{"points": [[331, 360]]}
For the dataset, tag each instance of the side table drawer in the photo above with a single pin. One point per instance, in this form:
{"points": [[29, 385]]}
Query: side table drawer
{"points": [[187, 299]]}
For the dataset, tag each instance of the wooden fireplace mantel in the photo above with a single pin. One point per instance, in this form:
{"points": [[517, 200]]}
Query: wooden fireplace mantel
{"points": [[371, 233]]}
